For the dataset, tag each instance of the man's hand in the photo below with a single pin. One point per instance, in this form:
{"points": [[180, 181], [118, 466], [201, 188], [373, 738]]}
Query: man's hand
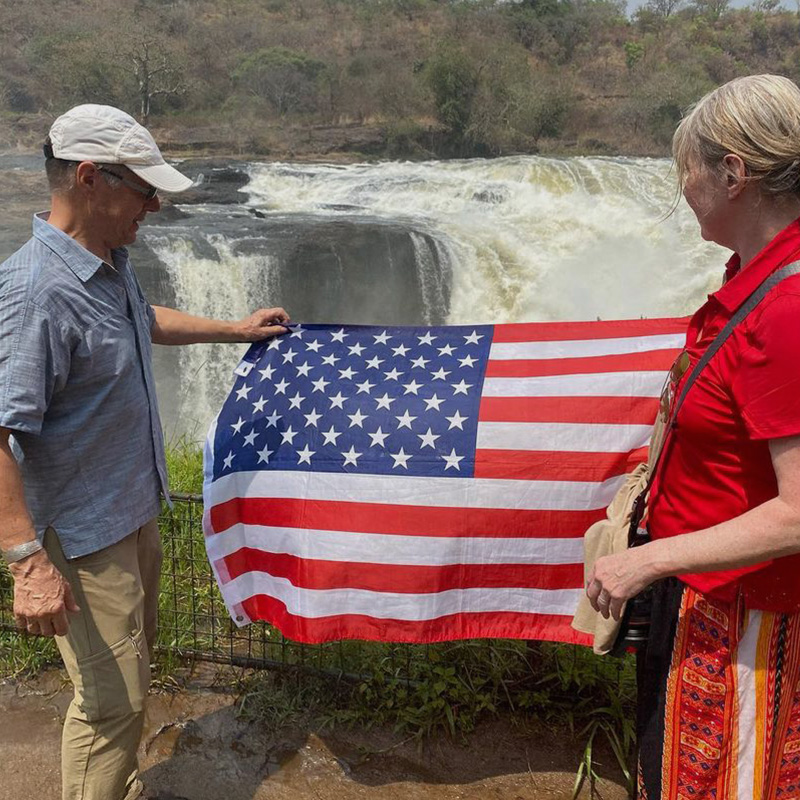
{"points": [[262, 324], [42, 598]]}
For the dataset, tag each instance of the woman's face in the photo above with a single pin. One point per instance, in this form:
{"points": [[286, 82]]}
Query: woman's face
{"points": [[706, 193]]}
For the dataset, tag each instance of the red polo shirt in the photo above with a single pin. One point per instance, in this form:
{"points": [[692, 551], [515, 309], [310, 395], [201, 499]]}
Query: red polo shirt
{"points": [[716, 464]]}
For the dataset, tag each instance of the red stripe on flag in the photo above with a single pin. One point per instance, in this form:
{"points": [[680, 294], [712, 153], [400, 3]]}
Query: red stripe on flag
{"points": [[535, 465], [605, 410], [406, 579], [575, 331], [338, 515], [494, 624], [626, 362]]}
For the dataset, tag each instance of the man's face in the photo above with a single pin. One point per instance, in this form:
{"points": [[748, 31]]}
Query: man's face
{"points": [[121, 207]]}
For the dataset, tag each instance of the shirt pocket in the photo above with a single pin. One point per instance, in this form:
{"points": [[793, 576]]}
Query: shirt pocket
{"points": [[108, 351]]}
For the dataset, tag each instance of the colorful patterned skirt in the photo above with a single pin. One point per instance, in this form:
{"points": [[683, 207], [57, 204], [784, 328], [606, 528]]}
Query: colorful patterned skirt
{"points": [[719, 701]]}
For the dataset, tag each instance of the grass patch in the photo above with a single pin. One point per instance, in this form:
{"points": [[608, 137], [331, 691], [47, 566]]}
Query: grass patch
{"points": [[418, 690]]}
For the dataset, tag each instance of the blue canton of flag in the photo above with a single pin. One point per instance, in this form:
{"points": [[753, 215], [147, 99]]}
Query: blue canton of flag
{"points": [[357, 399]]}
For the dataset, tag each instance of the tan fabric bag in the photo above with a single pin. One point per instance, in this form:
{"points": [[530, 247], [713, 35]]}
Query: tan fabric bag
{"points": [[610, 535]]}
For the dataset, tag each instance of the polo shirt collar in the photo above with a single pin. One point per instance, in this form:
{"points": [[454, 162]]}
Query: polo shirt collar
{"points": [[80, 260], [741, 283]]}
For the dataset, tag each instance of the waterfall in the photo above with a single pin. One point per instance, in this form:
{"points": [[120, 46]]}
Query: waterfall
{"points": [[504, 240]]}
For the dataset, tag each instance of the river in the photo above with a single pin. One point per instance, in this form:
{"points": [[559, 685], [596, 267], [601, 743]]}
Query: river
{"points": [[503, 240]]}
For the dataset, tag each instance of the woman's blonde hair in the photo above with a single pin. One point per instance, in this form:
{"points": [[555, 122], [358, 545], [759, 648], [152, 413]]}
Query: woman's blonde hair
{"points": [[757, 118]]}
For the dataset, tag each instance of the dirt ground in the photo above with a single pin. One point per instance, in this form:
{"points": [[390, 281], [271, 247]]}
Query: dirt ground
{"points": [[195, 746]]}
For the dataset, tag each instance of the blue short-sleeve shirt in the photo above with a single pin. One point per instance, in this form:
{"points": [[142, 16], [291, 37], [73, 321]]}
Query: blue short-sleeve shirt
{"points": [[77, 390]]}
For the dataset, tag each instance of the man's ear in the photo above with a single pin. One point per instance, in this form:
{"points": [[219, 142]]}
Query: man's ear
{"points": [[86, 176], [735, 171]]}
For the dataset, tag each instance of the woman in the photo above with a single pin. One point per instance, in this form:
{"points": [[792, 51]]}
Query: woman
{"points": [[719, 682]]}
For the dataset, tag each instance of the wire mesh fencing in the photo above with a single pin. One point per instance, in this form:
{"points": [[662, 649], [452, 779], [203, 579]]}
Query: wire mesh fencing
{"points": [[194, 624]]}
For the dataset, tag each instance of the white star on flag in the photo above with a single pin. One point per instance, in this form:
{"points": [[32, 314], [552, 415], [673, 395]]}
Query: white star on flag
{"points": [[428, 439], [294, 402], [456, 421], [378, 437], [405, 421], [331, 435], [400, 459], [288, 435], [351, 457], [305, 455], [337, 401], [357, 418], [432, 402], [453, 460], [312, 418], [263, 455], [385, 401]]}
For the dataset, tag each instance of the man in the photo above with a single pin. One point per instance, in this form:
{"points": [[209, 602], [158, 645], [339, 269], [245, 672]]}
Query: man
{"points": [[81, 449]]}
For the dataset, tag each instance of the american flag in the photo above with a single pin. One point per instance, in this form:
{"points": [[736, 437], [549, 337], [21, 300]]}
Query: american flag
{"points": [[422, 484]]}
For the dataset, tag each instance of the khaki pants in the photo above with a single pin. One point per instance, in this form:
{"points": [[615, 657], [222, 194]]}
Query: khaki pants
{"points": [[107, 655]]}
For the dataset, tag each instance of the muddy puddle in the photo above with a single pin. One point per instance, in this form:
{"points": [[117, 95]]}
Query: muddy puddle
{"points": [[197, 746]]}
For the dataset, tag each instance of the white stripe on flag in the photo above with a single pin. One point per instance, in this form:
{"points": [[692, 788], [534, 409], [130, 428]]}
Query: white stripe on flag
{"points": [[416, 490], [562, 436], [581, 348], [602, 384], [315, 603], [381, 548]]}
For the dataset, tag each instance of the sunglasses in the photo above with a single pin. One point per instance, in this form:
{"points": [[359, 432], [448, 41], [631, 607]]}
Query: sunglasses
{"points": [[149, 192]]}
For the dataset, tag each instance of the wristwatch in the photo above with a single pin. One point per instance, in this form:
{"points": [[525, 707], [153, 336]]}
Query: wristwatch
{"points": [[20, 551]]}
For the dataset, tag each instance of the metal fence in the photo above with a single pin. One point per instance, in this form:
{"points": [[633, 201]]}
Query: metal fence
{"points": [[194, 624]]}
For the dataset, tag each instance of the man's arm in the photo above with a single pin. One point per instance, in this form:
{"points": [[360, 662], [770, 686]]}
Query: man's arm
{"points": [[175, 327], [42, 597]]}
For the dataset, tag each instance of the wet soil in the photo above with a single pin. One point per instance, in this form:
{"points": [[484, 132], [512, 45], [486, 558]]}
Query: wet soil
{"points": [[196, 746]]}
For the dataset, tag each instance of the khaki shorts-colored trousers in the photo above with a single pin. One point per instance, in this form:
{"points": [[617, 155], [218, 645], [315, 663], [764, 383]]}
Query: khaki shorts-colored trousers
{"points": [[107, 655]]}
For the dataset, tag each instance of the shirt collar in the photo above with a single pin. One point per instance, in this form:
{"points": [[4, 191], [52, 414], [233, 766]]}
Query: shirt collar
{"points": [[741, 283], [82, 262]]}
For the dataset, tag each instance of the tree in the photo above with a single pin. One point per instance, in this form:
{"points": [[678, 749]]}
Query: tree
{"points": [[155, 72], [285, 78], [452, 76], [663, 8]]}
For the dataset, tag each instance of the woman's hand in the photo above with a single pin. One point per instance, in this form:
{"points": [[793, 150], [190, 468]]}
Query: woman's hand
{"points": [[617, 578]]}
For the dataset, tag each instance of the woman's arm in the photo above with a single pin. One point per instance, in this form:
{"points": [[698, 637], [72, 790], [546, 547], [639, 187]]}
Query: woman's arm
{"points": [[768, 531]]}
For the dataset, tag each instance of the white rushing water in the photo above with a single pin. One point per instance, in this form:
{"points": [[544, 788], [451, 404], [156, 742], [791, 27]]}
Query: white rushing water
{"points": [[528, 238], [524, 238]]}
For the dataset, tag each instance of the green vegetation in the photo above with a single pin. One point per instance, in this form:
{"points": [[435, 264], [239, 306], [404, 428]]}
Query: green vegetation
{"points": [[400, 78], [418, 690]]}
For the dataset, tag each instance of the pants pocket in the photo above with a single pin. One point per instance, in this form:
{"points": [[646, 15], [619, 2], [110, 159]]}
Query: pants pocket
{"points": [[113, 682]]}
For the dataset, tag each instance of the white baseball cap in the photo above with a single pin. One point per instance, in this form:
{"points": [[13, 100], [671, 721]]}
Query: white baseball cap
{"points": [[107, 135]]}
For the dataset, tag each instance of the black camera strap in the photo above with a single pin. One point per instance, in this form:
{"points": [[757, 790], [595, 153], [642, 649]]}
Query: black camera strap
{"points": [[634, 534]]}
